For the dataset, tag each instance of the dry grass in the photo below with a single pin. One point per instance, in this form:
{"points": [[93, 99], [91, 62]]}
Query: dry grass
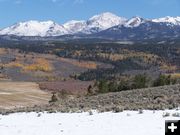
{"points": [[3, 51], [175, 75], [13, 64], [168, 67], [70, 87], [21, 94]]}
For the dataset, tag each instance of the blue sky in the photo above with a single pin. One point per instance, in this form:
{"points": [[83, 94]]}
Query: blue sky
{"points": [[12, 11]]}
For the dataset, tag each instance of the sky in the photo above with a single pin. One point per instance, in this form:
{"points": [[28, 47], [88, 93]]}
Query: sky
{"points": [[61, 11]]}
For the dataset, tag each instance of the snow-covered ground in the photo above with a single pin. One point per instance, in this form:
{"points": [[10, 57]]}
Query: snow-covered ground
{"points": [[125, 123]]}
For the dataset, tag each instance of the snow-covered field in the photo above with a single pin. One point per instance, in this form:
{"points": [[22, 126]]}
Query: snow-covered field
{"points": [[125, 123]]}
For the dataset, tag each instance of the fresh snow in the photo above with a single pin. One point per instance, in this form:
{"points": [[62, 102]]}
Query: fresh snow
{"points": [[75, 26], [124, 123], [35, 28], [168, 19], [103, 22], [134, 22], [95, 24]]}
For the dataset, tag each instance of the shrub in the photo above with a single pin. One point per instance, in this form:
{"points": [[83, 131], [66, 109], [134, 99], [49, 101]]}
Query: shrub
{"points": [[112, 87], [166, 114], [140, 81], [103, 86], [53, 98], [63, 94], [90, 113], [162, 80], [176, 114], [124, 85], [140, 111]]}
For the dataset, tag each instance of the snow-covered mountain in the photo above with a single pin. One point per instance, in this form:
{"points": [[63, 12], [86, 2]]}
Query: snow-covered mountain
{"points": [[168, 19], [75, 26], [134, 22], [103, 21], [35, 28], [144, 31], [96, 24]]}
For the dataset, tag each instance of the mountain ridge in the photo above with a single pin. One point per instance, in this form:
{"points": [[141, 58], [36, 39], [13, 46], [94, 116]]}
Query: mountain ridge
{"points": [[95, 25]]}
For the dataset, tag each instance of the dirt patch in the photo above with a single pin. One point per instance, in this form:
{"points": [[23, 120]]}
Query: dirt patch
{"points": [[70, 87], [21, 94]]}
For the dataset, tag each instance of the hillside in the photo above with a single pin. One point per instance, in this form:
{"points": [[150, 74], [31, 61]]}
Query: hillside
{"points": [[159, 98]]}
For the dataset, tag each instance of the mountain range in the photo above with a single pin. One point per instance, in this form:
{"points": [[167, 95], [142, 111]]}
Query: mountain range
{"points": [[105, 25]]}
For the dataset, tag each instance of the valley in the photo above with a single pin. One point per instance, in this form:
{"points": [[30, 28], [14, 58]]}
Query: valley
{"points": [[72, 76]]}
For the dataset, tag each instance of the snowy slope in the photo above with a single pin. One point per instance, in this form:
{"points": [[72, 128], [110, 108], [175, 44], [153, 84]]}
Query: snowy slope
{"points": [[75, 26], [35, 28], [134, 22], [168, 19], [93, 25], [125, 123], [103, 21]]}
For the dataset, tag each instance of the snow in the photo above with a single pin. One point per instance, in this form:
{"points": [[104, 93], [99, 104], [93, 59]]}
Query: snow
{"points": [[95, 24], [134, 22], [104, 21], [127, 123], [35, 28], [168, 19], [75, 26]]}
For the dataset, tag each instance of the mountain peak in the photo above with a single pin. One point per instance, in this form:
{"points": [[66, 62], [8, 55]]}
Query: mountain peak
{"points": [[75, 26], [104, 21], [34, 28], [168, 19], [134, 21], [93, 25], [106, 16]]}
